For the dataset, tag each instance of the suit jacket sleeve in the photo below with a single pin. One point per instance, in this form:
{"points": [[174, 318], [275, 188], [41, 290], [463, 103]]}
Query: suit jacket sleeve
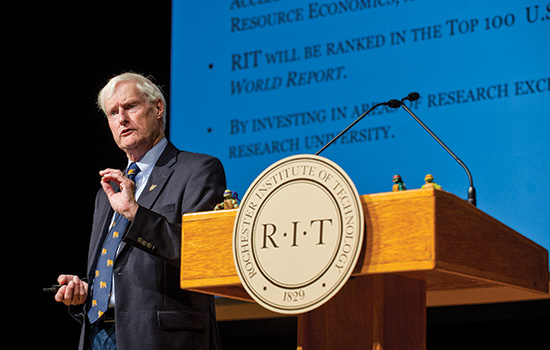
{"points": [[198, 186]]}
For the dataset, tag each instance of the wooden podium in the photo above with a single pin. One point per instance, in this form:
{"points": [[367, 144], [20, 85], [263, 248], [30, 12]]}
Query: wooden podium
{"points": [[417, 242]]}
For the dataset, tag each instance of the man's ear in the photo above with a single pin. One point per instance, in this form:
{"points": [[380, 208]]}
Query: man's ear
{"points": [[160, 108]]}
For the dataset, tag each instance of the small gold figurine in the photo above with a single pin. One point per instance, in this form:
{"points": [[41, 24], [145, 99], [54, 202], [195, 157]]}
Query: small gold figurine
{"points": [[231, 201], [399, 185], [430, 183]]}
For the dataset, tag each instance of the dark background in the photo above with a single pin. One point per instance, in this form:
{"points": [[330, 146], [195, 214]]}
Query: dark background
{"points": [[68, 53]]}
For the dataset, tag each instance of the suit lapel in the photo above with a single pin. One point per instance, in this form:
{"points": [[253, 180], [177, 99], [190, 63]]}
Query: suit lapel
{"points": [[99, 234], [160, 174]]}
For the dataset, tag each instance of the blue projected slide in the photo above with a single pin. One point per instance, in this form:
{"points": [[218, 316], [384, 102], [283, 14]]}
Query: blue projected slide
{"points": [[255, 81]]}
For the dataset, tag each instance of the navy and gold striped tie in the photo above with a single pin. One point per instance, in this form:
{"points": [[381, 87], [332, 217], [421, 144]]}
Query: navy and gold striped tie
{"points": [[101, 288]]}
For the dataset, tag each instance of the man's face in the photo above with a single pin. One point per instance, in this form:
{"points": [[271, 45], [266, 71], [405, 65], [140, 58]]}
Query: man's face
{"points": [[134, 121]]}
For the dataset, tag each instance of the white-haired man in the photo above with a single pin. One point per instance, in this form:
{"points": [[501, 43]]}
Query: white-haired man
{"points": [[144, 306]]}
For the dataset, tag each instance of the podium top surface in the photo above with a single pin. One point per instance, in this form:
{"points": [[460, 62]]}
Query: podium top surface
{"points": [[429, 235]]}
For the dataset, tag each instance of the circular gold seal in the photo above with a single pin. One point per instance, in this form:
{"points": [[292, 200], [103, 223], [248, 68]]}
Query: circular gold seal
{"points": [[298, 234]]}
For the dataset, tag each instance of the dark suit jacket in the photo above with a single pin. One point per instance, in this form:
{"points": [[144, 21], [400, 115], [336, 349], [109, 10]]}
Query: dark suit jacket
{"points": [[152, 311]]}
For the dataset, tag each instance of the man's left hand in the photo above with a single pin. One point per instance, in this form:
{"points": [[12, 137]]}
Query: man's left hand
{"points": [[124, 201]]}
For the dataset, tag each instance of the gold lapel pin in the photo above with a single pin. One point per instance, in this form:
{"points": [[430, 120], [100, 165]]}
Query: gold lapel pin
{"points": [[152, 187]]}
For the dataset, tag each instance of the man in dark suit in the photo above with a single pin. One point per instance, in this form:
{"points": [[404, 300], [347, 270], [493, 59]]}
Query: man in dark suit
{"points": [[147, 309]]}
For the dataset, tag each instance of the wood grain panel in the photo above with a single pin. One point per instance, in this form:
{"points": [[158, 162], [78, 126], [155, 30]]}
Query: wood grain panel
{"points": [[428, 235]]}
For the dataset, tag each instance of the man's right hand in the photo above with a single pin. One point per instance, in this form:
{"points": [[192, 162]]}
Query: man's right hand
{"points": [[73, 290]]}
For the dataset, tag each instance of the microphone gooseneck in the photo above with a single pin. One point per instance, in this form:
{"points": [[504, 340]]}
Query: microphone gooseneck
{"points": [[390, 103], [413, 96]]}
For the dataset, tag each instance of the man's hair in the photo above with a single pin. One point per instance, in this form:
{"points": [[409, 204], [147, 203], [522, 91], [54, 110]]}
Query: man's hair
{"points": [[144, 84]]}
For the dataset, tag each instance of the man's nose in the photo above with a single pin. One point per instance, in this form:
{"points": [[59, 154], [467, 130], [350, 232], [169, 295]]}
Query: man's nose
{"points": [[122, 116]]}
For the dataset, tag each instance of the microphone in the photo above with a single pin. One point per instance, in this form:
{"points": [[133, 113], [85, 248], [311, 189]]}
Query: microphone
{"points": [[390, 103], [413, 96]]}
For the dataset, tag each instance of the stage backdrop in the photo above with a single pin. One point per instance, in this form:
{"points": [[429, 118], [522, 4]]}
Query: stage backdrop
{"points": [[254, 81]]}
